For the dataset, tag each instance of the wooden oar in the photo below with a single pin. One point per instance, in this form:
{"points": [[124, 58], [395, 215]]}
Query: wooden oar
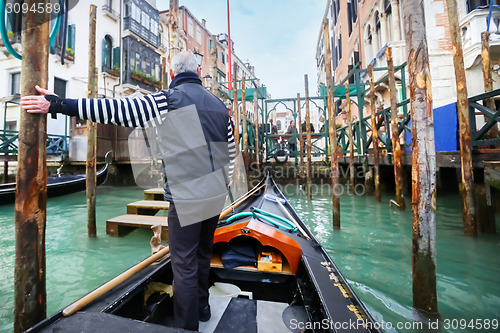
{"points": [[69, 310], [239, 202], [278, 200]]}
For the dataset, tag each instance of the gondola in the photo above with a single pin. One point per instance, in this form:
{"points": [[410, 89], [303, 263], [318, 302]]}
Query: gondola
{"points": [[56, 185], [268, 274]]}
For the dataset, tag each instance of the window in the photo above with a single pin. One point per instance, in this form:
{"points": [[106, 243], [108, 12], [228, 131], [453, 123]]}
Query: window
{"points": [[190, 27], [107, 53], [15, 83], [11, 126], [349, 17], [339, 44], [136, 13], [60, 87], [198, 35], [222, 58], [145, 21], [154, 27], [278, 125], [138, 62]]}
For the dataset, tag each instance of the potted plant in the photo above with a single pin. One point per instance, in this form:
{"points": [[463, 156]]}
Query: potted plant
{"points": [[136, 75], [70, 54]]}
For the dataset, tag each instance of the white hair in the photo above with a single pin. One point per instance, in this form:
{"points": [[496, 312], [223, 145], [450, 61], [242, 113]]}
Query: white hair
{"points": [[184, 61]]}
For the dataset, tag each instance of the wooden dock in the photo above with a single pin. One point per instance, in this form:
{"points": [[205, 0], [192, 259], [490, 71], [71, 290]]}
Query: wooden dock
{"points": [[147, 207], [141, 214]]}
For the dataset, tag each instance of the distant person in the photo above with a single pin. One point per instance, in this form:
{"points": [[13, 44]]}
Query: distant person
{"points": [[274, 129], [292, 142], [304, 127]]}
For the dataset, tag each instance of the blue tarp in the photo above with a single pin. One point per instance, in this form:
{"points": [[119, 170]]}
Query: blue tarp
{"points": [[445, 128]]}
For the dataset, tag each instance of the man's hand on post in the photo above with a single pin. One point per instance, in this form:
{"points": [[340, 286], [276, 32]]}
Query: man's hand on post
{"points": [[37, 103]]}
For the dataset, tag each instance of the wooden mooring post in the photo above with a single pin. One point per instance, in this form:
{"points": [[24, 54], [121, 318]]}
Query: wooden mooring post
{"points": [[376, 162], [308, 140], [236, 112], [256, 123], [30, 295], [334, 162], [173, 35], [214, 88], [488, 80], [423, 160], [6, 169], [244, 116], [468, 200], [301, 139], [352, 175], [91, 178], [396, 145], [163, 73]]}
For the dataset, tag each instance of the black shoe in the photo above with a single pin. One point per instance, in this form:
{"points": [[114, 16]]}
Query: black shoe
{"points": [[205, 313]]}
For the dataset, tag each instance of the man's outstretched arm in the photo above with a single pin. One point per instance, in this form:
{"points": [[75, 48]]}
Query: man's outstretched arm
{"points": [[140, 111]]}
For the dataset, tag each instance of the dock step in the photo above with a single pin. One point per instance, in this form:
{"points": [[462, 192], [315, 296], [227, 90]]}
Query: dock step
{"points": [[154, 194], [147, 207], [122, 225]]}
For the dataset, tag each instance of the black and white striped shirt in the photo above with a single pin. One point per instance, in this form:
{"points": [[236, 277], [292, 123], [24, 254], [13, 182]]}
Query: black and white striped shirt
{"points": [[139, 112]]}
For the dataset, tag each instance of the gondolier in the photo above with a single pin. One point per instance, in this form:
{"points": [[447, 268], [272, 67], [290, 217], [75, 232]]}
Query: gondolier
{"points": [[198, 148]]}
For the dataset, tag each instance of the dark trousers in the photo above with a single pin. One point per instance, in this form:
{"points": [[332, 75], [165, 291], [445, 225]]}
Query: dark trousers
{"points": [[190, 251]]}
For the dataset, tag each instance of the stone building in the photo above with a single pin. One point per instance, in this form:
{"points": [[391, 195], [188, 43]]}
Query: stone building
{"points": [[361, 30]]}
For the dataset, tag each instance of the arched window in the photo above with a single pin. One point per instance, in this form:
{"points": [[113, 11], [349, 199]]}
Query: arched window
{"points": [[387, 6], [368, 44], [107, 51]]}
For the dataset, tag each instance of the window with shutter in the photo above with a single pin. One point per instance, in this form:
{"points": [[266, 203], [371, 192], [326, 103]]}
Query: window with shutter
{"points": [[107, 47], [116, 59]]}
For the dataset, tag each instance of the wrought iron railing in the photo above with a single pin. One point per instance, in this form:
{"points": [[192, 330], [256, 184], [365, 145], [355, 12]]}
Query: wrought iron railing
{"points": [[56, 144]]}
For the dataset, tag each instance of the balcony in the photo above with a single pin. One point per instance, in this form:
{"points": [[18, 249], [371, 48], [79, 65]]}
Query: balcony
{"points": [[106, 9], [141, 31], [472, 25]]}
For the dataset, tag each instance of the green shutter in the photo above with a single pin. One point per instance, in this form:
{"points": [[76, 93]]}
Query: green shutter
{"points": [[116, 57], [71, 37]]}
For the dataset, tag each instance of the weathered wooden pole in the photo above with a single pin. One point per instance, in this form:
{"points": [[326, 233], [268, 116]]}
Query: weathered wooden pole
{"points": [[173, 26], [423, 159], [469, 204], [236, 112], [308, 140], [244, 115], [396, 145], [488, 80], [256, 123], [352, 174], [6, 169], [376, 162], [213, 57], [91, 130], [163, 73], [301, 139], [334, 163], [31, 190]]}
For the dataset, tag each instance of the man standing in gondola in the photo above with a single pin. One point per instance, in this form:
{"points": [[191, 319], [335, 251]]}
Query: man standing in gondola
{"points": [[197, 144]]}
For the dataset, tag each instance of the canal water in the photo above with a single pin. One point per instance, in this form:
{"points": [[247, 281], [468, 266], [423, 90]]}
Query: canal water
{"points": [[372, 250]]}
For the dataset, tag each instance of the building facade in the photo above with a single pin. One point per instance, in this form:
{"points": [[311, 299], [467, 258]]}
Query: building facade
{"points": [[361, 30], [132, 38]]}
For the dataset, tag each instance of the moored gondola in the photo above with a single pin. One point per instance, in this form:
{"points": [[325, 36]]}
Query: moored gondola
{"points": [[56, 185], [269, 274]]}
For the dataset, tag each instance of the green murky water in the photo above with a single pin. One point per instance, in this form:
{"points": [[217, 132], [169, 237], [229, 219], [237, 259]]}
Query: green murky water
{"points": [[373, 251]]}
